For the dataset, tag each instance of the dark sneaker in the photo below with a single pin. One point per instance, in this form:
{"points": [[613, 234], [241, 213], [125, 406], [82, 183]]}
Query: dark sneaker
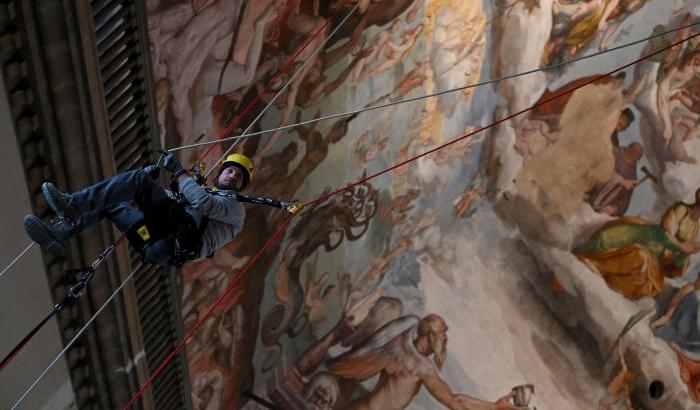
{"points": [[59, 202], [49, 237]]}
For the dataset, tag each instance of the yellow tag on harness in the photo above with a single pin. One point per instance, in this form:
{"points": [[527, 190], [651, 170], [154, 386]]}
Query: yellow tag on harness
{"points": [[143, 233]]}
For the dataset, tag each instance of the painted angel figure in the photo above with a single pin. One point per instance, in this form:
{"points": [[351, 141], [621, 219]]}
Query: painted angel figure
{"points": [[668, 97], [674, 79], [392, 54], [377, 44], [578, 23], [408, 353]]}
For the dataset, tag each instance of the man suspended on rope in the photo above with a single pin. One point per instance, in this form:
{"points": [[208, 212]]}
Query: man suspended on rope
{"points": [[169, 228]]}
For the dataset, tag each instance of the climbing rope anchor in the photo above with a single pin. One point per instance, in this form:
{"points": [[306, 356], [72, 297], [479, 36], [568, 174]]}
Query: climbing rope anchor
{"points": [[79, 288]]}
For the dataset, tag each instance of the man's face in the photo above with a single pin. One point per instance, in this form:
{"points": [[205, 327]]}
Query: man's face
{"points": [[231, 178]]}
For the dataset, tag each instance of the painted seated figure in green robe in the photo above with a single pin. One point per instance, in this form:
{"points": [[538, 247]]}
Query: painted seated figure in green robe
{"points": [[635, 256]]}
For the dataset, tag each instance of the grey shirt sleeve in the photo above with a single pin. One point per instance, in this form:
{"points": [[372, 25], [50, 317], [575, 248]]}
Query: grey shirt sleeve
{"points": [[221, 208]]}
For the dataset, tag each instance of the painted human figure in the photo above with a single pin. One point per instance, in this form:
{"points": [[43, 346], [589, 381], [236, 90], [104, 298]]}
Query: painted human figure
{"points": [[378, 43], [610, 25], [465, 203], [313, 88], [408, 354], [635, 256], [533, 137], [613, 196], [322, 392], [576, 24], [207, 387], [619, 387], [686, 116], [675, 79], [316, 298], [190, 50], [567, 17], [393, 53], [679, 325]]}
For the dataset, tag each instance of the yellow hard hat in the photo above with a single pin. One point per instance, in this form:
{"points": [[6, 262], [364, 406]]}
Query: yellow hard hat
{"points": [[244, 163]]}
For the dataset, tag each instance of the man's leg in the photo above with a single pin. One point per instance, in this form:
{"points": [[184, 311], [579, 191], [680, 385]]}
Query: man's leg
{"points": [[159, 252], [81, 209], [134, 186], [51, 237], [123, 216], [48, 237]]}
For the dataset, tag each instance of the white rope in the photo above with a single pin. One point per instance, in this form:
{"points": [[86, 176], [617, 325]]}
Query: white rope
{"points": [[17, 258], [422, 97], [75, 338], [296, 73]]}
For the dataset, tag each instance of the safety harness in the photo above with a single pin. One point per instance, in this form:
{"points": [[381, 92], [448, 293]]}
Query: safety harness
{"points": [[169, 220]]}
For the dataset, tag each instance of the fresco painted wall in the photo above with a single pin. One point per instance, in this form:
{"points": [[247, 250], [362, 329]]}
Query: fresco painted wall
{"points": [[556, 249]]}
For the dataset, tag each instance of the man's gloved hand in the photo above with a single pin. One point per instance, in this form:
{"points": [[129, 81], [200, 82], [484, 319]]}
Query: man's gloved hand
{"points": [[153, 171], [172, 164]]}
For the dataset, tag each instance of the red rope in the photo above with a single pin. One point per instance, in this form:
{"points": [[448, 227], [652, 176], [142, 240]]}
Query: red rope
{"points": [[12, 357], [286, 223], [24, 342], [239, 277], [218, 301], [236, 121], [493, 124]]}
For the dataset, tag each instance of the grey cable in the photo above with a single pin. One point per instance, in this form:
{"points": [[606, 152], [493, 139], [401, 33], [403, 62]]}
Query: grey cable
{"points": [[17, 258], [75, 338], [252, 123], [422, 97]]}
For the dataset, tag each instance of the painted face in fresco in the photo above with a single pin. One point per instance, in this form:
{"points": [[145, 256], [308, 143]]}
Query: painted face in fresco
{"points": [[395, 26], [320, 398], [439, 343], [634, 153], [622, 123], [694, 62], [696, 65], [323, 392], [231, 178]]}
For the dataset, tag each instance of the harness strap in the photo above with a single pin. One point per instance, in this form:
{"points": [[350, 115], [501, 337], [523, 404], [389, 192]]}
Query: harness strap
{"points": [[156, 224]]}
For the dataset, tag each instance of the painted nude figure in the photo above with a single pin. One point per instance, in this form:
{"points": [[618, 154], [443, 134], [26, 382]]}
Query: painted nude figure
{"points": [[392, 54], [619, 387], [405, 365]]}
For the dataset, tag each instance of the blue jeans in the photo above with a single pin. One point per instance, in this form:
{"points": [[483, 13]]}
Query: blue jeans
{"points": [[111, 198]]}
